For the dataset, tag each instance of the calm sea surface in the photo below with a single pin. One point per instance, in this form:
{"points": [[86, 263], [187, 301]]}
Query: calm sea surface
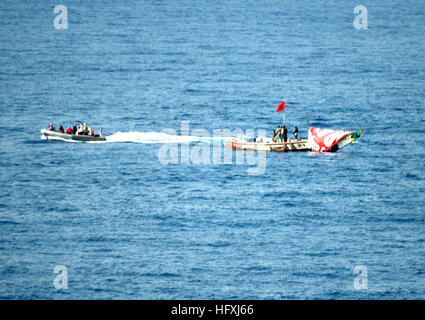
{"points": [[126, 226]]}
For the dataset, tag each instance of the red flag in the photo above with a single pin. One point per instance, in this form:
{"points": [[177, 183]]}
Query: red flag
{"points": [[281, 106]]}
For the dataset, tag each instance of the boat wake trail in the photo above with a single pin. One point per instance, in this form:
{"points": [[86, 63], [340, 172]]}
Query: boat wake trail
{"points": [[158, 137]]}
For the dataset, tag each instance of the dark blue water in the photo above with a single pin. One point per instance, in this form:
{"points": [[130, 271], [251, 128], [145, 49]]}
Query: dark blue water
{"points": [[126, 226]]}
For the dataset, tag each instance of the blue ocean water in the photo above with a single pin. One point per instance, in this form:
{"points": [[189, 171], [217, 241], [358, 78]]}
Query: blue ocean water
{"points": [[127, 226]]}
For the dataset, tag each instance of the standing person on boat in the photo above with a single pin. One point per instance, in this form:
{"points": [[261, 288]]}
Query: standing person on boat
{"points": [[285, 134], [277, 136], [100, 133], [295, 133]]}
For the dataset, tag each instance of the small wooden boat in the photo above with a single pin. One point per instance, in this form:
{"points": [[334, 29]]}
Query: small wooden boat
{"points": [[267, 144], [320, 140]]}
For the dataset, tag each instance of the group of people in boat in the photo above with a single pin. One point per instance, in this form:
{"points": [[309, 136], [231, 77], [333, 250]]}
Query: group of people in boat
{"points": [[77, 129], [281, 134]]}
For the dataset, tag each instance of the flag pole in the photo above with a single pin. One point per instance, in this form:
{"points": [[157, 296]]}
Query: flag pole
{"points": [[281, 107]]}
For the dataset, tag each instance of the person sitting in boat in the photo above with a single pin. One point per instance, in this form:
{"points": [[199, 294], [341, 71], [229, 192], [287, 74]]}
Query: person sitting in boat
{"points": [[51, 127], [69, 130], [100, 133], [61, 129], [80, 129], [295, 133], [85, 129], [74, 128], [91, 131]]}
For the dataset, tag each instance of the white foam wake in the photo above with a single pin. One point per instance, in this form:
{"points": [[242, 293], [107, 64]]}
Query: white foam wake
{"points": [[158, 137]]}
